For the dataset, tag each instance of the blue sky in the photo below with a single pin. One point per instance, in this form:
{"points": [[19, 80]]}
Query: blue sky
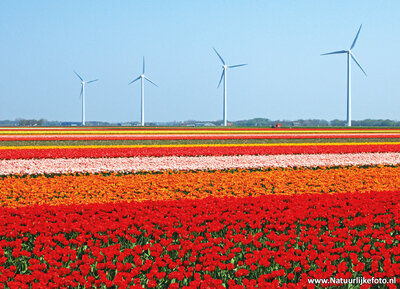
{"points": [[286, 78]]}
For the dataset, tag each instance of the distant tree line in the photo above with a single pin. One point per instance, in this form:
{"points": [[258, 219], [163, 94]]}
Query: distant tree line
{"points": [[255, 122], [317, 122], [30, 122]]}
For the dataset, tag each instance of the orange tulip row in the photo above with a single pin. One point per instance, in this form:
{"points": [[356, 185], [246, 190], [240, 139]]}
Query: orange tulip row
{"points": [[19, 191]]}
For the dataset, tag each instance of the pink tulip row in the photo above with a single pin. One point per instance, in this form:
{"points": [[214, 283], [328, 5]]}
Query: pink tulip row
{"points": [[94, 165], [43, 137]]}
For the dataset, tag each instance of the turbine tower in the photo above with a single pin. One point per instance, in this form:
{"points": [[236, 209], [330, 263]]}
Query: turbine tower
{"points": [[223, 75], [350, 55], [142, 77], [83, 96]]}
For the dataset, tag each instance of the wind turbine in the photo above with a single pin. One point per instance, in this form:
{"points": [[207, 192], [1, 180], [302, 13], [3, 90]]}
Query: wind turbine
{"points": [[142, 77], [83, 96], [223, 75], [350, 54]]}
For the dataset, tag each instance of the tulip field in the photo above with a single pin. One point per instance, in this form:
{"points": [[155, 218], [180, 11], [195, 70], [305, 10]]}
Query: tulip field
{"points": [[181, 207]]}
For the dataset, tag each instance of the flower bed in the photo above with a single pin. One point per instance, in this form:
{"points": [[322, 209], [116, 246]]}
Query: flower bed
{"points": [[319, 135], [19, 152], [253, 242], [197, 216], [73, 189], [134, 164]]}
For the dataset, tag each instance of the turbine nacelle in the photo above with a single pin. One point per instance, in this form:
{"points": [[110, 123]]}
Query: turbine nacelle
{"points": [[142, 76]]}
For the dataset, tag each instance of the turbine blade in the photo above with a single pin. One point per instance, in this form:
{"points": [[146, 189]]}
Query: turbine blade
{"points": [[232, 66], [78, 75], [355, 60], [150, 81], [355, 39], [222, 75], [219, 56], [80, 95], [92, 81], [335, 52], [143, 64], [134, 80]]}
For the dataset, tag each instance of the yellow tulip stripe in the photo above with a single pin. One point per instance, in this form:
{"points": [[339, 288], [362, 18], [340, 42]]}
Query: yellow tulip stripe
{"points": [[200, 145], [193, 131]]}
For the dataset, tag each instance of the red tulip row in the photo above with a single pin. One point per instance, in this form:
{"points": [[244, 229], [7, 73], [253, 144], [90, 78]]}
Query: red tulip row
{"points": [[63, 152], [254, 242], [194, 136], [108, 128]]}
